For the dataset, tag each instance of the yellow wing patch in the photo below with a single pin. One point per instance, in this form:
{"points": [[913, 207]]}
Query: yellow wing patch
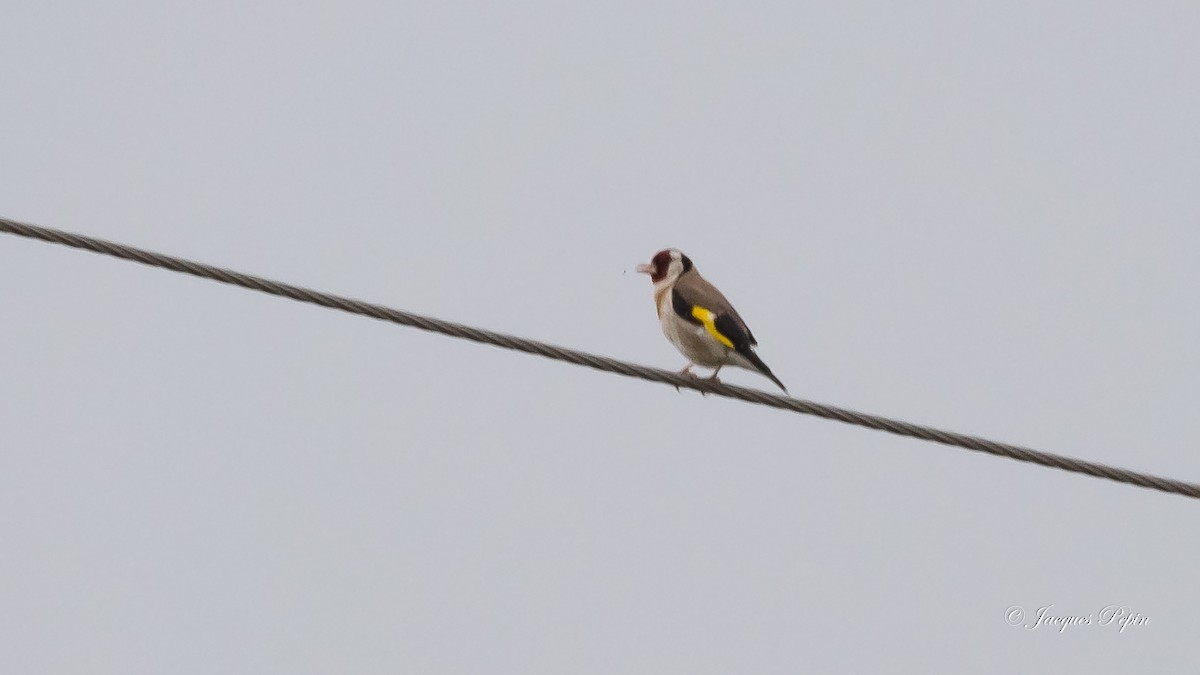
{"points": [[708, 319]]}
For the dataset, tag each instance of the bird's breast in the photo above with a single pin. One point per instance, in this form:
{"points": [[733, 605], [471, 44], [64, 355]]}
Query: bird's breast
{"points": [[662, 300]]}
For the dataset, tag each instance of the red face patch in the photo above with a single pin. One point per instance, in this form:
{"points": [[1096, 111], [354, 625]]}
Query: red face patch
{"points": [[661, 262]]}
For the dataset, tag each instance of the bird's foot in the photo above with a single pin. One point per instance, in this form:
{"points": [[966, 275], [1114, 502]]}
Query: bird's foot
{"points": [[687, 370], [713, 378]]}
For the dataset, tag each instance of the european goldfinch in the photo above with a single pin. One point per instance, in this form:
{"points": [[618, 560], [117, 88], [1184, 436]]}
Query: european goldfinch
{"points": [[698, 320]]}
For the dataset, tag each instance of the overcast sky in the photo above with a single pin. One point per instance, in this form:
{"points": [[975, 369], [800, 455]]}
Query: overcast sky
{"points": [[984, 219]]}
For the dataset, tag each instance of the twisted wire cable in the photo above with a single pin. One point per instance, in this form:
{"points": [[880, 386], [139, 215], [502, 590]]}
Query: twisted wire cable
{"points": [[603, 363]]}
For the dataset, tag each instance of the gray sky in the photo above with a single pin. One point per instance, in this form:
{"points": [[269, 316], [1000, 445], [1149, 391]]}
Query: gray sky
{"points": [[979, 218]]}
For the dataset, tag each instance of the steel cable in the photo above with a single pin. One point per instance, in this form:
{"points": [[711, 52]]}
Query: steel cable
{"points": [[601, 362]]}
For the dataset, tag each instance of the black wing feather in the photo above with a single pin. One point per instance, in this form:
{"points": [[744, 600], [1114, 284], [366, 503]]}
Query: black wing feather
{"points": [[682, 307], [732, 327], [727, 323]]}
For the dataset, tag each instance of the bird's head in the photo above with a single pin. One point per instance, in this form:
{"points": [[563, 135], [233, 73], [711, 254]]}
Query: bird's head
{"points": [[666, 265]]}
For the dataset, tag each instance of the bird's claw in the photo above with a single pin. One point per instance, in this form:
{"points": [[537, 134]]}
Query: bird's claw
{"points": [[688, 371]]}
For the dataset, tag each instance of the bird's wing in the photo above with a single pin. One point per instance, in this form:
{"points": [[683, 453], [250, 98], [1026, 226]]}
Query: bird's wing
{"points": [[700, 303]]}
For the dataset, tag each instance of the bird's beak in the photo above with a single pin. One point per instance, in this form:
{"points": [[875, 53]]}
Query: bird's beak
{"points": [[646, 268]]}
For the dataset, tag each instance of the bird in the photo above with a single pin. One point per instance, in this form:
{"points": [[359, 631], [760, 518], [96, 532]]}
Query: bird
{"points": [[698, 320]]}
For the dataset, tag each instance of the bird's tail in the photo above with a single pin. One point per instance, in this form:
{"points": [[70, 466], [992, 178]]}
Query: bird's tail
{"points": [[762, 367]]}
